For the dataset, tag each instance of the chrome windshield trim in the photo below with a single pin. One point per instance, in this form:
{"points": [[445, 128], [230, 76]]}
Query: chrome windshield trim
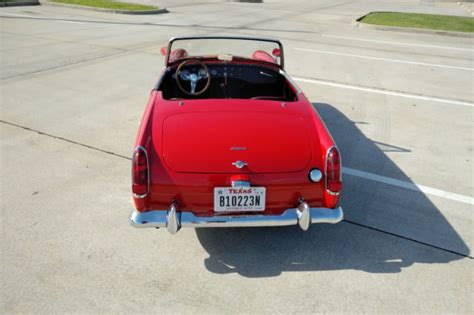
{"points": [[248, 38]]}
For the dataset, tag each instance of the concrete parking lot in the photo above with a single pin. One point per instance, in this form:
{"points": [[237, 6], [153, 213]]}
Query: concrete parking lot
{"points": [[400, 105]]}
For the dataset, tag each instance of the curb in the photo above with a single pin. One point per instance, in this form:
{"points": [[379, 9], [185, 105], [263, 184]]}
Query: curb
{"points": [[115, 11], [357, 23], [18, 4]]}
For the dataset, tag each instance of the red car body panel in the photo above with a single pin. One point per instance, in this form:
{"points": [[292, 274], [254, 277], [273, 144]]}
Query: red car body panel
{"points": [[189, 143], [226, 125]]}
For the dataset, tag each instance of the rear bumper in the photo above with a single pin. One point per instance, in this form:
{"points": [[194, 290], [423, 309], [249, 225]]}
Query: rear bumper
{"points": [[173, 220]]}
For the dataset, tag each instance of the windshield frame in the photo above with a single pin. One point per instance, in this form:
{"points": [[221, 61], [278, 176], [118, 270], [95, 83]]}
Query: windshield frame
{"points": [[275, 41]]}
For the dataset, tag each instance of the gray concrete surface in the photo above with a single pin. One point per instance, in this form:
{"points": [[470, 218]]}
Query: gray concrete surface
{"points": [[73, 88]]}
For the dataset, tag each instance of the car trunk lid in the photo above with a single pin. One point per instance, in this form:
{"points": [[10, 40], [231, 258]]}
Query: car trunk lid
{"points": [[216, 142]]}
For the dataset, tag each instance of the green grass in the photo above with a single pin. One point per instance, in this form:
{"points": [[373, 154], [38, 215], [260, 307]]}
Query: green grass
{"points": [[428, 21], [109, 4]]}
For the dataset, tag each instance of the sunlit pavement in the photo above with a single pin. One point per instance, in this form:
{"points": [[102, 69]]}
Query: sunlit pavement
{"points": [[399, 104]]}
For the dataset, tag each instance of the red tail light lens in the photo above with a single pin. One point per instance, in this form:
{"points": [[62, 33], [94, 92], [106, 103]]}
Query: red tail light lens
{"points": [[333, 171], [140, 174]]}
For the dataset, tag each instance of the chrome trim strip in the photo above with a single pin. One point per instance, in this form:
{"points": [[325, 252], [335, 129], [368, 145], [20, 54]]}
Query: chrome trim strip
{"points": [[139, 196], [147, 169], [292, 82], [264, 73], [303, 216]]}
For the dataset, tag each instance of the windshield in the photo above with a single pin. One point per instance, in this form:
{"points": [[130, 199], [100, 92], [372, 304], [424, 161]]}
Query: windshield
{"points": [[225, 48]]}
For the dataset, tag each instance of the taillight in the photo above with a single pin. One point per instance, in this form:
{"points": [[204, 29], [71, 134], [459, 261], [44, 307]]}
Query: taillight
{"points": [[333, 171], [140, 173]]}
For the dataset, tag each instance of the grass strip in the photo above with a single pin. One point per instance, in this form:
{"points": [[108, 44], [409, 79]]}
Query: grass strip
{"points": [[109, 4], [418, 20]]}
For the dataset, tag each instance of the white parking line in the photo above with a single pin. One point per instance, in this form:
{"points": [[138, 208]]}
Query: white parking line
{"points": [[408, 185], [384, 92], [396, 43], [384, 59]]}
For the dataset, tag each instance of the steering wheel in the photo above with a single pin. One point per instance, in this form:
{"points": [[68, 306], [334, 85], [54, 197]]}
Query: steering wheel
{"points": [[193, 78]]}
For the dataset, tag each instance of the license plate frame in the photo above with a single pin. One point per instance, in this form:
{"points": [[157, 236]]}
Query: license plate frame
{"points": [[239, 199]]}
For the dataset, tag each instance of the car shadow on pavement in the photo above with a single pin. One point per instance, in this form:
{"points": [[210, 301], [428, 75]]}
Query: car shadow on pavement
{"points": [[386, 228]]}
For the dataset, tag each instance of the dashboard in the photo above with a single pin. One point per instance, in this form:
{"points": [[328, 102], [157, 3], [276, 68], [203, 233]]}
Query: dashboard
{"points": [[248, 73], [227, 80]]}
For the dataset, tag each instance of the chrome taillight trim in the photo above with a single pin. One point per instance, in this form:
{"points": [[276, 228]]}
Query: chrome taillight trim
{"points": [[147, 169], [326, 170]]}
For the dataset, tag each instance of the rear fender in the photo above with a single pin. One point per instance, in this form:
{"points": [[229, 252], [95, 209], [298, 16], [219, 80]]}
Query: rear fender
{"points": [[326, 143], [143, 139]]}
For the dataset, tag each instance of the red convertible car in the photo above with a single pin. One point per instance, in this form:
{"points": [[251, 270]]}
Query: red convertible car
{"points": [[228, 140]]}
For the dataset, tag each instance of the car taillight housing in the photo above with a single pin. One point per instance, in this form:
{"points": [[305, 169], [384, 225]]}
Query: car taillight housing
{"points": [[333, 171], [140, 173]]}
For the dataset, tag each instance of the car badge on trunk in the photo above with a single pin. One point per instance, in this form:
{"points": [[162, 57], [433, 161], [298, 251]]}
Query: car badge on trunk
{"points": [[238, 149], [239, 164]]}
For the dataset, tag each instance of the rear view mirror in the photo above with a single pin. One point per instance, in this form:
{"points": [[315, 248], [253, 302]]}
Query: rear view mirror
{"points": [[163, 51], [276, 52]]}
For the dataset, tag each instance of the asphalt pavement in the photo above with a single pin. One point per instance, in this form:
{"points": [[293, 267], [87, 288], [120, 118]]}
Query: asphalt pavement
{"points": [[399, 104]]}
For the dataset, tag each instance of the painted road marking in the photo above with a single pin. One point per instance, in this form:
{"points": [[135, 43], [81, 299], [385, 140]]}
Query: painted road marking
{"points": [[396, 43], [408, 185], [384, 92], [384, 59]]}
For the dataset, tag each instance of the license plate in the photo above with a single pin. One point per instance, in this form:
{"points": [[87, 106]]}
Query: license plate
{"points": [[229, 199]]}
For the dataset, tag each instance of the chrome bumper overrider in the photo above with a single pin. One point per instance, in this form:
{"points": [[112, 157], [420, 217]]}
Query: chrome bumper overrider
{"points": [[173, 220]]}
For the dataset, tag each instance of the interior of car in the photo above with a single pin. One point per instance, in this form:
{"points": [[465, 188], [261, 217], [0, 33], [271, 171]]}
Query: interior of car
{"points": [[198, 80]]}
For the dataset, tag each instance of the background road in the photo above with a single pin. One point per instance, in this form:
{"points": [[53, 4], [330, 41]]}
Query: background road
{"points": [[400, 105]]}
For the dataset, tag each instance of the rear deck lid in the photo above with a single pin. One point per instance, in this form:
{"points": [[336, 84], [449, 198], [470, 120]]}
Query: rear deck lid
{"points": [[215, 142]]}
